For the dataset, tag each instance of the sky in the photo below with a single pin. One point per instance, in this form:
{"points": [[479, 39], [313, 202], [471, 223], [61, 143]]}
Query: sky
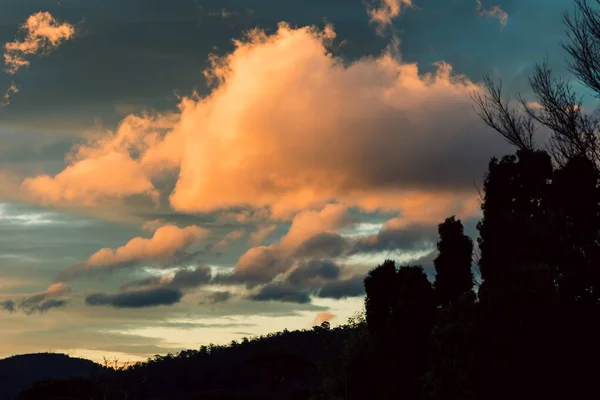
{"points": [[176, 173]]}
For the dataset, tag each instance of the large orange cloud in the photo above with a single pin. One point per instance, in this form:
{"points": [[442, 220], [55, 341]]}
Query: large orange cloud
{"points": [[105, 167], [288, 126]]}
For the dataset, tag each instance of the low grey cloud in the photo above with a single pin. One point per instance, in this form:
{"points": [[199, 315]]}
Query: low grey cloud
{"points": [[46, 306], [328, 244], [9, 305], [41, 302], [320, 278], [186, 278], [301, 292], [282, 291], [152, 297], [218, 297], [415, 237], [341, 289], [314, 269], [154, 290]]}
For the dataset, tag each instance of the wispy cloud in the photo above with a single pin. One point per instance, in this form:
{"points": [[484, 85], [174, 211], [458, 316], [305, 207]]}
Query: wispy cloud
{"points": [[493, 12], [223, 13], [42, 34], [385, 11], [12, 89]]}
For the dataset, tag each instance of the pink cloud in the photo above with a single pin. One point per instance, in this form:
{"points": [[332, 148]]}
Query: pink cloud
{"points": [[289, 127], [165, 244], [262, 263]]}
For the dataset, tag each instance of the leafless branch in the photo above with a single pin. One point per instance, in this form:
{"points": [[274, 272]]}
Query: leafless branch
{"points": [[497, 112]]}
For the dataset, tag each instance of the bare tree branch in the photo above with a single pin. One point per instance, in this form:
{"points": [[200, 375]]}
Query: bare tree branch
{"points": [[497, 112]]}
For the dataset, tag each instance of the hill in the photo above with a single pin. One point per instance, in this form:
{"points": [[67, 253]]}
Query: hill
{"points": [[283, 365], [20, 372]]}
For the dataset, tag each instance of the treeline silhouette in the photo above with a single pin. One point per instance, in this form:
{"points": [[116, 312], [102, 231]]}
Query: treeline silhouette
{"points": [[527, 327]]}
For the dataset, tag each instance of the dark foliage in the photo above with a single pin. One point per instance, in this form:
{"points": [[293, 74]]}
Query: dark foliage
{"points": [[453, 276]]}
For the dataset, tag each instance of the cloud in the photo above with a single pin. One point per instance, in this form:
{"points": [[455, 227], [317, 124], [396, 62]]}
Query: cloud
{"points": [[151, 297], [288, 127], [306, 261], [12, 89], [321, 317], [391, 237], [42, 34], [167, 245], [493, 12], [191, 278], [52, 297], [262, 263], [218, 297], [223, 13], [344, 288], [311, 222], [103, 169], [9, 305], [300, 286], [114, 175], [142, 283], [258, 237], [386, 11], [155, 290], [314, 269], [322, 245], [231, 236], [282, 291]]}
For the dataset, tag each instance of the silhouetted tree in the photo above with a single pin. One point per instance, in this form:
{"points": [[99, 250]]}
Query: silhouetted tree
{"points": [[576, 223], [451, 373], [413, 317], [453, 264], [380, 286], [518, 295], [540, 247], [514, 229], [400, 311]]}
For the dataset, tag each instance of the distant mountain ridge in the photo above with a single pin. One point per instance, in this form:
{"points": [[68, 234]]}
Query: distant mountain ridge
{"points": [[21, 371]]}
